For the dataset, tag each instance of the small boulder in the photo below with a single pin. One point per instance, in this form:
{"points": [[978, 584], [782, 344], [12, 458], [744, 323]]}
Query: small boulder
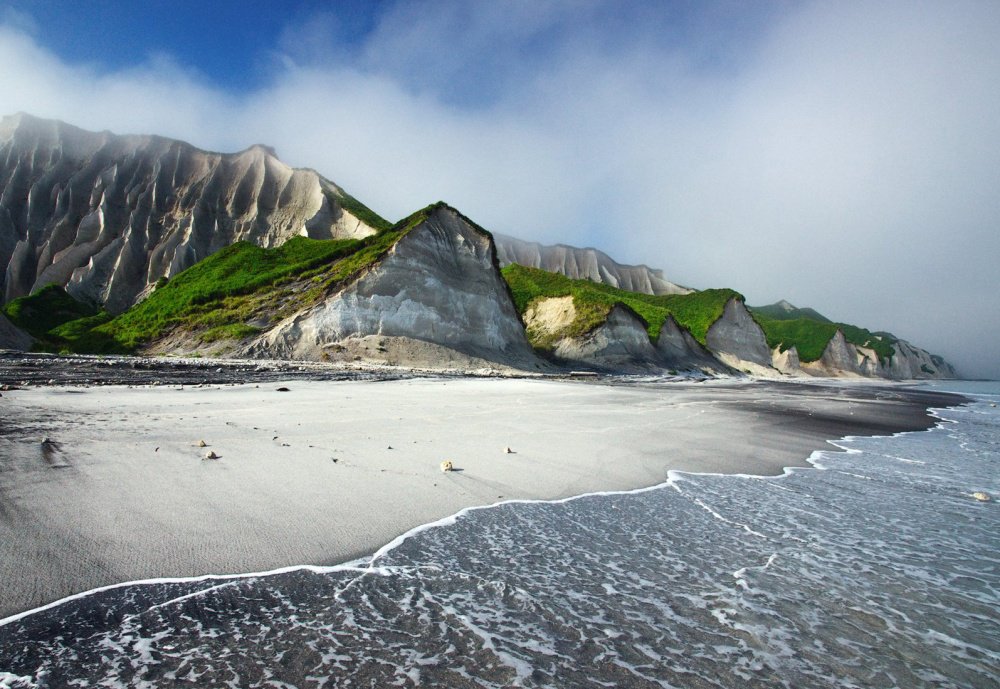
{"points": [[202, 443], [211, 455], [508, 451], [446, 465]]}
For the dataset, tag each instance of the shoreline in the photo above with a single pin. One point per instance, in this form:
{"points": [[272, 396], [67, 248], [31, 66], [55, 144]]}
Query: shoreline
{"points": [[97, 511]]}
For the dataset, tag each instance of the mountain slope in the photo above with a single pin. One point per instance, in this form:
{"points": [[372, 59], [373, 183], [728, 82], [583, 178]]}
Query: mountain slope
{"points": [[436, 298], [578, 320], [804, 342], [427, 291], [107, 216], [584, 264], [784, 311]]}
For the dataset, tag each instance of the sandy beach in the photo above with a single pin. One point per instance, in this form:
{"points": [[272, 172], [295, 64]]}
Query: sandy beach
{"points": [[100, 485]]}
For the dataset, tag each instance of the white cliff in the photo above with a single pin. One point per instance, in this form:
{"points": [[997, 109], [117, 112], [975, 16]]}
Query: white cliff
{"points": [[619, 344], [737, 340], [437, 296], [106, 216], [678, 349], [584, 264]]}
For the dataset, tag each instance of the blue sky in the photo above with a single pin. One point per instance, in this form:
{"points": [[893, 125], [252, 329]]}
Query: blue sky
{"points": [[842, 155]]}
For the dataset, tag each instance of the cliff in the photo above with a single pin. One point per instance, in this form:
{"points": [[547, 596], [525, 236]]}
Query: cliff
{"points": [[584, 264], [738, 341], [108, 216], [620, 344], [435, 297]]}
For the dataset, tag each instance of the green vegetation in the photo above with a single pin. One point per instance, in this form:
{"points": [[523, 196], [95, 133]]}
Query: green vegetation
{"points": [[361, 211], [593, 301], [54, 318], [233, 293], [810, 336], [45, 309], [779, 313]]}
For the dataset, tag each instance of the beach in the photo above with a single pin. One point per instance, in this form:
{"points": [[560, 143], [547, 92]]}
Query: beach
{"points": [[102, 485]]}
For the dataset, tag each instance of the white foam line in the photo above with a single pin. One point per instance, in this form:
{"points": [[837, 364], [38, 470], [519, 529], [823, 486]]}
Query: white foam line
{"points": [[347, 566], [367, 565]]}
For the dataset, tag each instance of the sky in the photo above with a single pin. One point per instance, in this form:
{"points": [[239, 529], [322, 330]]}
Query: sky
{"points": [[840, 155]]}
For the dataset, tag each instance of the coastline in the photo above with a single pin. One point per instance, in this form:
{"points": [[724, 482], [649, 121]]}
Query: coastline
{"points": [[103, 505]]}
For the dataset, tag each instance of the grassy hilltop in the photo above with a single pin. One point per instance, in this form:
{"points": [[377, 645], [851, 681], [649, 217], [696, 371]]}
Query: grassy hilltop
{"points": [[811, 334], [593, 301], [233, 294]]}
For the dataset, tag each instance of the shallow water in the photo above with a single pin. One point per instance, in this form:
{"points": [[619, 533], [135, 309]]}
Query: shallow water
{"points": [[876, 570]]}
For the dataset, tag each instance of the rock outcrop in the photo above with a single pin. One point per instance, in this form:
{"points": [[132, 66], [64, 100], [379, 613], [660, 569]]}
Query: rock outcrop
{"points": [[843, 359], [678, 349], [107, 216], [787, 361], [437, 295], [737, 340], [912, 362], [621, 344], [12, 337], [584, 264]]}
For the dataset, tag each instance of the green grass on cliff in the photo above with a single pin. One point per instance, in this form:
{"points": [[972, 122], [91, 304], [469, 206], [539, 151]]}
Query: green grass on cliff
{"points": [[593, 301], [362, 212], [239, 290], [810, 337], [45, 309], [48, 315]]}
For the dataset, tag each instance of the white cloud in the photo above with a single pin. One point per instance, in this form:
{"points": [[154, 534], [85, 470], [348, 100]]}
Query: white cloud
{"points": [[844, 156]]}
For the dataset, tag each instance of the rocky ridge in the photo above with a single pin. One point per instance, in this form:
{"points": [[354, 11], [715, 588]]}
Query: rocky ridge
{"points": [[584, 264], [437, 293], [108, 216]]}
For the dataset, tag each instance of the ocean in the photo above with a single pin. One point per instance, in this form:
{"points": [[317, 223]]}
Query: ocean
{"points": [[875, 568]]}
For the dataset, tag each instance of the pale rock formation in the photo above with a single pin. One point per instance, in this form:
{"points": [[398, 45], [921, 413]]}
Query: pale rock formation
{"points": [[584, 264], [678, 349], [842, 359], [787, 361], [912, 362], [547, 317], [620, 344], [737, 340], [106, 216], [439, 289], [12, 337]]}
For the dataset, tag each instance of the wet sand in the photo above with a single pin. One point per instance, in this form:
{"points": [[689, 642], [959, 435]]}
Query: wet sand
{"points": [[328, 471]]}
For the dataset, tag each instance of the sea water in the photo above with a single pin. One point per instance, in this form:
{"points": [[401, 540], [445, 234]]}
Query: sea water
{"points": [[876, 568]]}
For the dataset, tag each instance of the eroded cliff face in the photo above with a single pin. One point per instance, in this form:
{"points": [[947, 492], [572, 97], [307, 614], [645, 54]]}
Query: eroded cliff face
{"points": [[12, 337], [439, 289], [678, 349], [584, 264], [621, 343], [912, 362], [737, 340], [787, 362], [106, 216], [842, 359]]}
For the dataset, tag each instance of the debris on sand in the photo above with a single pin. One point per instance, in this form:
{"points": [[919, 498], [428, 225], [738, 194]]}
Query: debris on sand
{"points": [[446, 465], [508, 451]]}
